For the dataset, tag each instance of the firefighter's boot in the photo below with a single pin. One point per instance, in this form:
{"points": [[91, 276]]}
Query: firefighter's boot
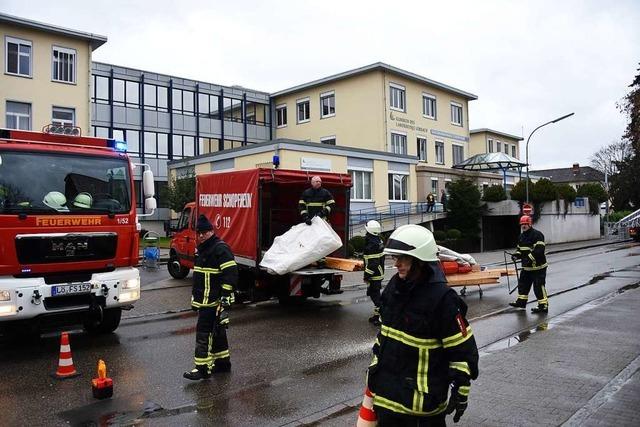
{"points": [[198, 373], [222, 366], [540, 309], [519, 303]]}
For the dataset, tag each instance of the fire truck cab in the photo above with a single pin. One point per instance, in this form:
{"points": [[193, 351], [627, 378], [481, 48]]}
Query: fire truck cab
{"points": [[68, 229]]}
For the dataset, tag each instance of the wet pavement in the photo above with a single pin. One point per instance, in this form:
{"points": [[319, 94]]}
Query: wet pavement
{"points": [[305, 364]]}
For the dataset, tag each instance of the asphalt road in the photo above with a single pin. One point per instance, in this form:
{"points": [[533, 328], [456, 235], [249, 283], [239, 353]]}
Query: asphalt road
{"points": [[289, 363]]}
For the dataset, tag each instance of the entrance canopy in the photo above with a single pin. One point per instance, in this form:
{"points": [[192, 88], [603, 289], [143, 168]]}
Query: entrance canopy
{"points": [[491, 162]]}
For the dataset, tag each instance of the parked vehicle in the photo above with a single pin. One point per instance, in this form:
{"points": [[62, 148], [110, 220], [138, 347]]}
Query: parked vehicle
{"points": [[68, 229], [248, 209]]}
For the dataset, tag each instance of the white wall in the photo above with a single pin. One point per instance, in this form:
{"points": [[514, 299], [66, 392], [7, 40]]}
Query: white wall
{"points": [[577, 225]]}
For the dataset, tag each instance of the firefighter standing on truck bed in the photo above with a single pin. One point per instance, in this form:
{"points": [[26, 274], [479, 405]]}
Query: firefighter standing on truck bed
{"points": [[215, 274], [425, 345], [373, 266], [530, 251], [315, 201]]}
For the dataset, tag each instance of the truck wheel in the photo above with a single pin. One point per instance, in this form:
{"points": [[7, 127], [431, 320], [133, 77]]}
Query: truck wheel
{"points": [[176, 270], [109, 323]]}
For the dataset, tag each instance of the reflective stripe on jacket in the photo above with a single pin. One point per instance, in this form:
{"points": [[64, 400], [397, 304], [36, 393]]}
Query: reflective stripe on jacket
{"points": [[215, 273]]}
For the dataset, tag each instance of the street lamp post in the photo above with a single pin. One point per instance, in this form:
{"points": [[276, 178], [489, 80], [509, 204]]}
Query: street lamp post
{"points": [[527, 147]]}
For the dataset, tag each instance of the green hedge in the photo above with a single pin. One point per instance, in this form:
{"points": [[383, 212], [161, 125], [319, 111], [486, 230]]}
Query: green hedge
{"points": [[494, 193]]}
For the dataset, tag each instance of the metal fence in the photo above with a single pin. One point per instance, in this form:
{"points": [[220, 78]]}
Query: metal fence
{"points": [[391, 217]]}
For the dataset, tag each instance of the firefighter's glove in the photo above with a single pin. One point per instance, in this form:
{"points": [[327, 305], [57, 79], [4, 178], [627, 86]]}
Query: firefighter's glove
{"points": [[225, 301], [457, 401], [322, 213], [514, 257], [307, 221], [223, 319]]}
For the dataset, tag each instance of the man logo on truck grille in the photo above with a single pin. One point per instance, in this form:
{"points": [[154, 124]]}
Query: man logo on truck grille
{"points": [[69, 248]]}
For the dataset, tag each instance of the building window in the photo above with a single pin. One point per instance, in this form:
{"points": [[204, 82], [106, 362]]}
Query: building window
{"points": [[100, 132], [18, 56], [208, 106], [64, 65], [398, 186], [126, 93], [100, 90], [397, 100], [256, 113], [281, 116], [327, 104], [302, 107], [490, 146], [422, 149], [18, 115], [434, 186], [182, 102], [456, 114], [156, 145], [63, 116], [498, 146], [506, 148], [161, 189], [183, 146], [429, 106], [398, 143], [458, 153], [232, 109], [329, 140], [208, 145], [156, 98], [513, 151], [440, 152], [361, 181], [131, 137]]}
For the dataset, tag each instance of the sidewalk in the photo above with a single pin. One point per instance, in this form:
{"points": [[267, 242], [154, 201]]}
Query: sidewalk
{"points": [[579, 369]]}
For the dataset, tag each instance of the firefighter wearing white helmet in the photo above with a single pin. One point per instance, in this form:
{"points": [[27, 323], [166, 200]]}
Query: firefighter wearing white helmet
{"points": [[425, 346], [374, 266], [56, 200]]}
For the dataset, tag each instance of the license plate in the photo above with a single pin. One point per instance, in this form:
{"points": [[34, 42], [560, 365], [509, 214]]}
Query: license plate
{"points": [[74, 288]]}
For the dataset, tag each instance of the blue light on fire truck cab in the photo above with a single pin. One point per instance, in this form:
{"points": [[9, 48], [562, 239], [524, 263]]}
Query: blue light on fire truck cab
{"points": [[117, 145]]}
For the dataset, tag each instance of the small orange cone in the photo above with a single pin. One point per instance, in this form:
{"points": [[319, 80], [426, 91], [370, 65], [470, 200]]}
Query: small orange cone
{"points": [[102, 387], [65, 362], [366, 416]]}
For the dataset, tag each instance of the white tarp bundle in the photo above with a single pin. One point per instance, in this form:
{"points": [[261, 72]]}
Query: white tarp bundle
{"points": [[446, 254], [300, 246]]}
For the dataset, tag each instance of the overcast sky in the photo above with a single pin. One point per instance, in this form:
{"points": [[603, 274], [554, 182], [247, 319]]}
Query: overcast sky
{"points": [[528, 61]]}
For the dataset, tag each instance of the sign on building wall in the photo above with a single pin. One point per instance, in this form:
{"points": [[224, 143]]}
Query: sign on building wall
{"points": [[315, 163]]}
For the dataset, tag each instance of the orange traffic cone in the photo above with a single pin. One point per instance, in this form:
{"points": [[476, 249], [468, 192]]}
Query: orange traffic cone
{"points": [[366, 416], [65, 362]]}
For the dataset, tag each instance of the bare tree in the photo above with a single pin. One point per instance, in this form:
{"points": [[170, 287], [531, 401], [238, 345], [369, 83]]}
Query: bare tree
{"points": [[606, 157]]}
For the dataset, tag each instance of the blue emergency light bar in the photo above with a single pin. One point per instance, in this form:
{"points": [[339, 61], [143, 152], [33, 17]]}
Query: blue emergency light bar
{"points": [[117, 145]]}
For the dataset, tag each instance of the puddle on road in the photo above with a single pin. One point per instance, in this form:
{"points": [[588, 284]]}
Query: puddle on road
{"points": [[514, 340]]}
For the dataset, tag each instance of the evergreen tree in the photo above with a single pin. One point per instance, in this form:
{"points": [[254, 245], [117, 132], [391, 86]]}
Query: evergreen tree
{"points": [[464, 209]]}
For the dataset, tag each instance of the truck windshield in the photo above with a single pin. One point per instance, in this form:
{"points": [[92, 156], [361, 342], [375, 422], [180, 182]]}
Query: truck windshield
{"points": [[58, 184]]}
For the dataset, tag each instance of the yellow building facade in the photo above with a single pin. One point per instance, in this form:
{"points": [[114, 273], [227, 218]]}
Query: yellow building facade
{"points": [[46, 76], [382, 108], [492, 141]]}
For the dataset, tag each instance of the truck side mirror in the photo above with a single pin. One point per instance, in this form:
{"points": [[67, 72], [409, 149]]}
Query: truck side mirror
{"points": [[150, 204], [148, 184]]}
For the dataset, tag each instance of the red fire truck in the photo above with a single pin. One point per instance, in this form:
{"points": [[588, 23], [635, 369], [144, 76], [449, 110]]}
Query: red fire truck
{"points": [[68, 229], [248, 209]]}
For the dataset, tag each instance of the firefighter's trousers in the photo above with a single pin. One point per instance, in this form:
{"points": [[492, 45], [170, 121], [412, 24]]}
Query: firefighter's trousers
{"points": [[387, 418], [537, 278], [373, 291], [211, 339]]}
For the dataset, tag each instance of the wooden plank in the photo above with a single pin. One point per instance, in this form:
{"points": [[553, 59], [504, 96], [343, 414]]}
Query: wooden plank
{"points": [[474, 278], [502, 271], [344, 264]]}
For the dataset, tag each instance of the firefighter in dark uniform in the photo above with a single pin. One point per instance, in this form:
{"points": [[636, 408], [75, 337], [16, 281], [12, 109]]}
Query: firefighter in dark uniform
{"points": [[530, 252], [425, 346], [315, 201], [215, 274], [374, 266]]}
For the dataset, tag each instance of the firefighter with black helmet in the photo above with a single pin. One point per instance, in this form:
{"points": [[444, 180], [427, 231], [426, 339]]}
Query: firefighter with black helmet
{"points": [[425, 346], [215, 274], [531, 253], [373, 266]]}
